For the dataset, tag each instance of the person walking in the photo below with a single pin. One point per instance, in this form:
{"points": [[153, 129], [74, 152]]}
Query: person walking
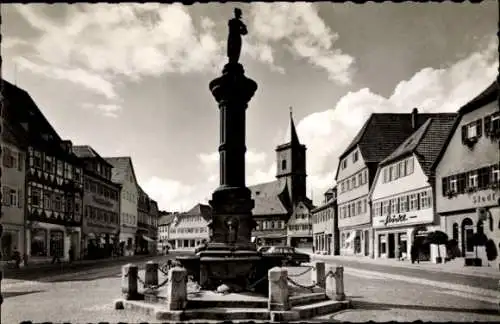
{"points": [[414, 254]]}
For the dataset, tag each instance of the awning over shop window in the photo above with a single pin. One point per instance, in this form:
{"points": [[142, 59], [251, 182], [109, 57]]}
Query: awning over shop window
{"points": [[148, 238]]}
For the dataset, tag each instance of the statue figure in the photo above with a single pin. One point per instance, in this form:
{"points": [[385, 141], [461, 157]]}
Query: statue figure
{"points": [[236, 29]]}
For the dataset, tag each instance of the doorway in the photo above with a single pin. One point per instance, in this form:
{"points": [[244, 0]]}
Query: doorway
{"points": [[392, 245], [467, 233]]}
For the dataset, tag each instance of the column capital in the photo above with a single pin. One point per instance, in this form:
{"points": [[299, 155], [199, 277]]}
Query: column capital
{"points": [[233, 86]]}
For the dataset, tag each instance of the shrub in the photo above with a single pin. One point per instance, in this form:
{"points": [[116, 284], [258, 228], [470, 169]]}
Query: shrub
{"points": [[491, 250]]}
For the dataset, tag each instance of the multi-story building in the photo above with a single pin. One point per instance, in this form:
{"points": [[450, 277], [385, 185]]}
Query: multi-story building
{"points": [[381, 134], [190, 228], [123, 174], [325, 225], [101, 205], [14, 149], [141, 236], [54, 183], [402, 194], [282, 209], [153, 216], [468, 175], [164, 221]]}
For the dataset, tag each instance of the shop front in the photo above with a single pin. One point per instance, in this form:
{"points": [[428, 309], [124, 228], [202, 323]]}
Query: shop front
{"points": [[396, 233], [99, 244], [355, 240]]}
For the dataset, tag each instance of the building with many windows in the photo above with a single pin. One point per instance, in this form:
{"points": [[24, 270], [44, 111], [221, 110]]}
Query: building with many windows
{"points": [[282, 209], [101, 205], [54, 182], [468, 175], [189, 229], [14, 149], [152, 222], [141, 237], [381, 134], [325, 225], [123, 174], [164, 222], [402, 194]]}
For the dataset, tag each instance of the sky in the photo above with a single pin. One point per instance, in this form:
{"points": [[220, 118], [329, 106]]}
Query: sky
{"points": [[132, 79]]}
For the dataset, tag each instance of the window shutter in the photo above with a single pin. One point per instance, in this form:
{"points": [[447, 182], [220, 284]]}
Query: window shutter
{"points": [[479, 124], [445, 185], [487, 125], [20, 198], [464, 133]]}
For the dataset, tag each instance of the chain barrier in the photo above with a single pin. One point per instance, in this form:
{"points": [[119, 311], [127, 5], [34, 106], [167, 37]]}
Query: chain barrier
{"points": [[314, 284], [303, 273], [252, 286]]}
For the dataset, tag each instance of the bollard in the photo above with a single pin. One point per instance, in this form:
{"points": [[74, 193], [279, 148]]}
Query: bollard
{"points": [[130, 275], [330, 283], [177, 289], [151, 276], [278, 290], [318, 274], [339, 283]]}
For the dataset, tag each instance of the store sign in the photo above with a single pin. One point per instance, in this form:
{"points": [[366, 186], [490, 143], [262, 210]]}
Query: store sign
{"points": [[484, 198], [396, 219]]}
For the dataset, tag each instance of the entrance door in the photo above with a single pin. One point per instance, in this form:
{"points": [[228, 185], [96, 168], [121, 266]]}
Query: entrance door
{"points": [[391, 246], [367, 243], [467, 232]]}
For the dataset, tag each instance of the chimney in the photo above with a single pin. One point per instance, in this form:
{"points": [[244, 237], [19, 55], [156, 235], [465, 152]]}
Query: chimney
{"points": [[414, 114]]}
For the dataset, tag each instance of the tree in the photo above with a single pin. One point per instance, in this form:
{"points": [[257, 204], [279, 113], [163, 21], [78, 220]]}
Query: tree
{"points": [[491, 250], [479, 239]]}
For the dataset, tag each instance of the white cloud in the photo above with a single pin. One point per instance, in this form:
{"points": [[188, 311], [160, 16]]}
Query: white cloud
{"points": [[76, 75], [306, 35], [107, 110], [328, 133], [171, 194]]}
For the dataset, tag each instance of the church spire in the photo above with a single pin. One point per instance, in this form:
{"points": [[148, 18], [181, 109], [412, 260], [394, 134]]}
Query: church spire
{"points": [[294, 139]]}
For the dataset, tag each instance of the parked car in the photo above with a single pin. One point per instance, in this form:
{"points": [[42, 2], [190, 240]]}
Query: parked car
{"points": [[290, 255], [263, 248]]}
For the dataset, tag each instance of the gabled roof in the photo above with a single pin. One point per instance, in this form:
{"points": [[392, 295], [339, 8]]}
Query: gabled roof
{"points": [[489, 95], [120, 165], [382, 133], [268, 198], [204, 211], [426, 142], [87, 152], [166, 219]]}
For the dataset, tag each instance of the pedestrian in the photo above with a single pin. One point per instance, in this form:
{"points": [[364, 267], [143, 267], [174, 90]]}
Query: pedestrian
{"points": [[414, 254]]}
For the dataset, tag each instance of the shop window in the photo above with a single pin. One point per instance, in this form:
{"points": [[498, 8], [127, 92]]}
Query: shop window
{"points": [[57, 243], [38, 242]]}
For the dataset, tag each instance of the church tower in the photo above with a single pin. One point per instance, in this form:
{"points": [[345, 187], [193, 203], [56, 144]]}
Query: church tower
{"points": [[291, 165]]}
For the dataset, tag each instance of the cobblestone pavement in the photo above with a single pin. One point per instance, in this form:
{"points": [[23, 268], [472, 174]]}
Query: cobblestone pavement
{"points": [[88, 297]]}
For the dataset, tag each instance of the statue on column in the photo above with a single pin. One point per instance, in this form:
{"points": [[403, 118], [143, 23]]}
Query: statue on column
{"points": [[236, 29]]}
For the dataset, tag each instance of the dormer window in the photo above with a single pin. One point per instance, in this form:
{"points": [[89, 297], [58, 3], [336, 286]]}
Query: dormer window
{"points": [[471, 131]]}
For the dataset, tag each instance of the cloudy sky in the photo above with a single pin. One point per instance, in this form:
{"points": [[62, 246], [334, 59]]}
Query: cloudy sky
{"points": [[133, 79]]}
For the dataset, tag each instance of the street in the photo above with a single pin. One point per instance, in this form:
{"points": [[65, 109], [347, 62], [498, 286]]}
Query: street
{"points": [[88, 295]]}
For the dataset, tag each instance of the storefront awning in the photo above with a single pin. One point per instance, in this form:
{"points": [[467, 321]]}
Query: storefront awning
{"points": [[148, 238]]}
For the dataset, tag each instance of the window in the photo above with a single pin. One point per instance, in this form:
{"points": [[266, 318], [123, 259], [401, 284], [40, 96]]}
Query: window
{"points": [[403, 204], [353, 181], [57, 203], [20, 161], [359, 205], [377, 209], [413, 202], [472, 181], [453, 184], [355, 157], [394, 206], [409, 166], [425, 200], [396, 171], [495, 174], [360, 179], [386, 175], [391, 174], [342, 186], [471, 130], [365, 175], [47, 203], [38, 242], [37, 159], [385, 207], [49, 164], [283, 165], [57, 243], [60, 168], [344, 164], [402, 170], [365, 205]]}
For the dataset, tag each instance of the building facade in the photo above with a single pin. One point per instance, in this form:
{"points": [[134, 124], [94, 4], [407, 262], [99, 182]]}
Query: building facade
{"points": [[142, 231], [381, 134], [54, 183], [153, 216], [14, 149], [467, 175], [402, 196], [325, 225], [164, 222], [123, 174], [282, 209], [189, 229], [101, 206]]}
